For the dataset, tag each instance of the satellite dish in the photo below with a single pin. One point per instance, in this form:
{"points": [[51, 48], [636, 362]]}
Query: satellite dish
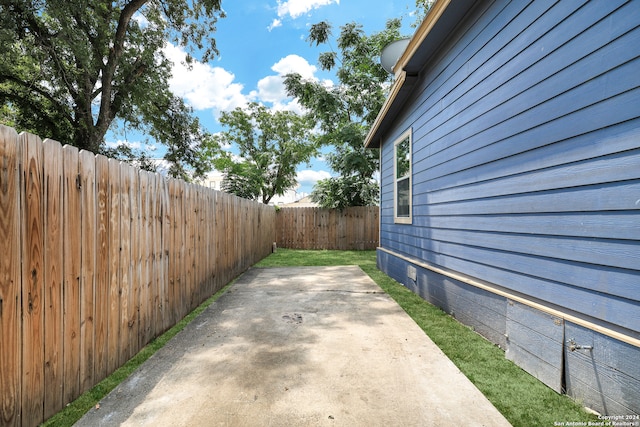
{"points": [[391, 53]]}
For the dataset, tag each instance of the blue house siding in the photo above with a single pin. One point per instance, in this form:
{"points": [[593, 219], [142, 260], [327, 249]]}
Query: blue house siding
{"points": [[608, 374], [484, 311], [526, 177], [536, 341]]}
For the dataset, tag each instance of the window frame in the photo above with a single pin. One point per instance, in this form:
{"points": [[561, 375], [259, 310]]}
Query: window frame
{"points": [[408, 219]]}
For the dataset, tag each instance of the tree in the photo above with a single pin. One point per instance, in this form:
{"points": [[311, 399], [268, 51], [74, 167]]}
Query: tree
{"points": [[345, 112], [271, 143], [422, 9], [70, 69]]}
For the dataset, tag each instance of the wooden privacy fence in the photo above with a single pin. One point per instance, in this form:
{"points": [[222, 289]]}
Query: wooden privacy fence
{"points": [[353, 228], [98, 258]]}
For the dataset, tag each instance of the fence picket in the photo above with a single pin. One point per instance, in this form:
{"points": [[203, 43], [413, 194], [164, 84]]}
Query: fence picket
{"points": [[10, 279], [103, 252], [165, 241], [145, 255], [125, 263], [72, 271], [32, 279], [115, 272], [87, 176], [53, 270], [134, 245]]}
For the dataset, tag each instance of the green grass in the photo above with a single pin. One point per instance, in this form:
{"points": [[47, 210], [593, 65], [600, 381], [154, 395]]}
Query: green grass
{"points": [[521, 398], [76, 409]]}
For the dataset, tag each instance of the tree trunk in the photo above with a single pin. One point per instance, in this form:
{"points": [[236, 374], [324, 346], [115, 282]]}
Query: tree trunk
{"points": [[87, 138]]}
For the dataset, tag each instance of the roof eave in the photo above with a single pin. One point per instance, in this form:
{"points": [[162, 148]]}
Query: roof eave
{"points": [[443, 16]]}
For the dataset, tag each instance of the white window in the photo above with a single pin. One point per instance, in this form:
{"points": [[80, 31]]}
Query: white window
{"points": [[402, 178]]}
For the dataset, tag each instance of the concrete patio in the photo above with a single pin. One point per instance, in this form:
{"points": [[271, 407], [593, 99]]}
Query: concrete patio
{"points": [[304, 346]]}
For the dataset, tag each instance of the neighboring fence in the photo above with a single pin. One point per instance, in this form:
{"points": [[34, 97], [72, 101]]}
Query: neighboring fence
{"points": [[96, 259], [353, 228]]}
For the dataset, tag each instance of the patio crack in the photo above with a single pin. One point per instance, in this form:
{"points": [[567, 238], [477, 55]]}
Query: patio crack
{"points": [[351, 292]]}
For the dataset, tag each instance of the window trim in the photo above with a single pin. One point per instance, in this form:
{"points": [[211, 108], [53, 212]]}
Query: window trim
{"points": [[402, 219]]}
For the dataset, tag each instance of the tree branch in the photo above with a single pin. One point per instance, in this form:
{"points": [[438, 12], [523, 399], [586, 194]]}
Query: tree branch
{"points": [[115, 53], [45, 38], [33, 88]]}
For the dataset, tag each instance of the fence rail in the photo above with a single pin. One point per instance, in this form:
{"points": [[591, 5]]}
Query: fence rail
{"points": [[98, 258], [354, 228]]}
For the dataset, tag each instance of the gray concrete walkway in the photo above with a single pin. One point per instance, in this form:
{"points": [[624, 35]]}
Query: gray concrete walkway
{"points": [[306, 346]]}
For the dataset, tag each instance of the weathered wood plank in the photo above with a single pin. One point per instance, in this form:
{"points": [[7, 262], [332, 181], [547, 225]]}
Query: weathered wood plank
{"points": [[33, 280], [126, 311], [53, 278], [180, 284], [204, 260], [215, 233], [190, 222], [72, 272], [87, 173], [334, 232], [198, 250], [173, 271], [115, 270], [153, 267], [103, 264], [146, 248], [10, 278], [206, 257], [135, 260], [164, 226]]}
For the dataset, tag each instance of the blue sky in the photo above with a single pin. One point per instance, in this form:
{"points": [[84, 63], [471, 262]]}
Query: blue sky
{"points": [[259, 42]]}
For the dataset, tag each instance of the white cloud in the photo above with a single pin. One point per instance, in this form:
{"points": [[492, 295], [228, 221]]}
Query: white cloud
{"points": [[295, 64], [308, 176], [275, 24], [204, 86], [134, 145], [271, 88], [297, 8], [290, 105]]}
